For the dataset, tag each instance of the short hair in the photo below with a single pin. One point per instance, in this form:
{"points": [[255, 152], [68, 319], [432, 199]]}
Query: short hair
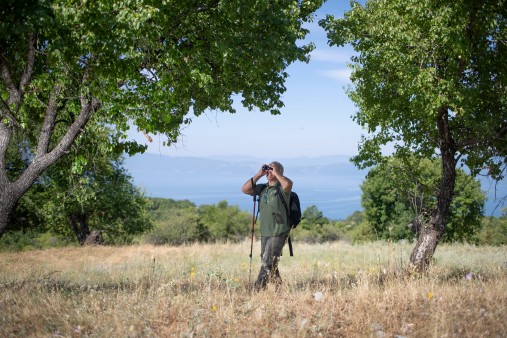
{"points": [[279, 165]]}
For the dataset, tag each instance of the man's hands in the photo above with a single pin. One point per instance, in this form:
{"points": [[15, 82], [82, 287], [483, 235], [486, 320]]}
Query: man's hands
{"points": [[273, 174]]}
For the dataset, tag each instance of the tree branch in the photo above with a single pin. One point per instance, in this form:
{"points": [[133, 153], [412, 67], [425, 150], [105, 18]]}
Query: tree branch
{"points": [[5, 137], [90, 105], [15, 94], [5, 73], [41, 163], [30, 61], [7, 113], [45, 158], [49, 122]]}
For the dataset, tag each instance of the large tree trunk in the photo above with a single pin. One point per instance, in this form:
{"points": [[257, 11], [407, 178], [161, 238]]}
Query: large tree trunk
{"points": [[430, 232]]}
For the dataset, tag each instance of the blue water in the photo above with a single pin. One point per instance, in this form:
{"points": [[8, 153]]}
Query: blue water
{"points": [[336, 198]]}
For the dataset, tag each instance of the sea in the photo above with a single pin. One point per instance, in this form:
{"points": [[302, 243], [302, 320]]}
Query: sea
{"points": [[332, 184]]}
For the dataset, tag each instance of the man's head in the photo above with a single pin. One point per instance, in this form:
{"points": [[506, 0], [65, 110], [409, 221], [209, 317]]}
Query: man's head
{"points": [[278, 166]]}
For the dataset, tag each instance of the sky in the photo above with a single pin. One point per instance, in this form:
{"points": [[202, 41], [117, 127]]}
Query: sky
{"points": [[315, 121]]}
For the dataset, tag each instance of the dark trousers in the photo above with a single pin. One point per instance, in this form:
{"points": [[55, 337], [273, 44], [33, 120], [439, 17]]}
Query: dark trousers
{"points": [[271, 250]]}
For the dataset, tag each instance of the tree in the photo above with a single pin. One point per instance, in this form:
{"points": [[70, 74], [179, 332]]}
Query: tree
{"points": [[396, 195], [96, 193], [314, 216], [86, 190], [146, 63], [429, 78]]}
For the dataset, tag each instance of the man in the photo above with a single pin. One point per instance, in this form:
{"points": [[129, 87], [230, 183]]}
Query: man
{"points": [[273, 218]]}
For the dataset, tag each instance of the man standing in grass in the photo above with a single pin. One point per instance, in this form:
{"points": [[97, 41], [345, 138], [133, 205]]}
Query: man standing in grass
{"points": [[273, 218]]}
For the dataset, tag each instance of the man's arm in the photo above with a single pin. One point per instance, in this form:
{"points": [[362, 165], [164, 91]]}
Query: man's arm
{"points": [[285, 182], [248, 188]]}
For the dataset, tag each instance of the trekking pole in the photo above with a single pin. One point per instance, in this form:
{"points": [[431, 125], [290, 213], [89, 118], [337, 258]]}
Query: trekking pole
{"points": [[251, 244]]}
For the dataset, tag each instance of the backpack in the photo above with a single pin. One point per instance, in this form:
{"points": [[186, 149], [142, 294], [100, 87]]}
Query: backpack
{"points": [[294, 212]]}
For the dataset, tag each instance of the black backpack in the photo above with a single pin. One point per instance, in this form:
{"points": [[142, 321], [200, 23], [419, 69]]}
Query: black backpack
{"points": [[294, 212]]}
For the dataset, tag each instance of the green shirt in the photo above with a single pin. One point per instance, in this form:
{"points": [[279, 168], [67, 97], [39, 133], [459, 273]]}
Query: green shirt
{"points": [[272, 213]]}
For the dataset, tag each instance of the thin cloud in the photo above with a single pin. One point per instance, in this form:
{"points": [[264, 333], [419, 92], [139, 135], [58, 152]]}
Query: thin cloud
{"points": [[342, 74], [330, 56]]}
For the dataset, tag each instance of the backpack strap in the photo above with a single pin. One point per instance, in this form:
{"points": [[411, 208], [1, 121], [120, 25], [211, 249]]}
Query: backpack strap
{"points": [[289, 241], [287, 210]]}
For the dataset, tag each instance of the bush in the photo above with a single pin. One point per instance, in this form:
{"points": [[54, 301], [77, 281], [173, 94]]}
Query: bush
{"points": [[493, 231], [179, 227], [179, 222], [29, 240]]}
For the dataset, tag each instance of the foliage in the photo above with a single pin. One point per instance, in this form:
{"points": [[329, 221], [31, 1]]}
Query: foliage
{"points": [[25, 240], [179, 227], [321, 233], [396, 193], [97, 189], [493, 231], [356, 229], [312, 216], [315, 228], [225, 222], [179, 222], [159, 208], [363, 233], [143, 63], [96, 193]]}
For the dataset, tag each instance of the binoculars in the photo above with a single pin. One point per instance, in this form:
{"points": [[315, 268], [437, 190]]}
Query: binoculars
{"points": [[266, 167]]}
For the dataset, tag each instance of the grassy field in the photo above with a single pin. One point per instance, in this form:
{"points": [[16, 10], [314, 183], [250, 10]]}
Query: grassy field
{"points": [[329, 290]]}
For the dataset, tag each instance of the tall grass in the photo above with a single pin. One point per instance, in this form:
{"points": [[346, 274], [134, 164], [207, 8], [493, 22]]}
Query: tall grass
{"points": [[329, 290]]}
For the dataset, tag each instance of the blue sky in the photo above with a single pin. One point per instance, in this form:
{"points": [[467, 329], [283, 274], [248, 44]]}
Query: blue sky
{"points": [[316, 119]]}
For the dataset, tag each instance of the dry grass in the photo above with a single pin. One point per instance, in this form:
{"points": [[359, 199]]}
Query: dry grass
{"points": [[331, 290]]}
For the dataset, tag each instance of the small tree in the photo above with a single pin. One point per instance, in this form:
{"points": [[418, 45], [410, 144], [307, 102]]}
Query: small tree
{"points": [[313, 216], [224, 222]]}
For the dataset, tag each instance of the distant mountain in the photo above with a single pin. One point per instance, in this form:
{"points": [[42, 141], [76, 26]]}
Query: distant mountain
{"points": [[163, 165], [292, 161], [330, 183]]}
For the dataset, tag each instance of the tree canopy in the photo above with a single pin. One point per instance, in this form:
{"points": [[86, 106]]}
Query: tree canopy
{"points": [[419, 63], [144, 62]]}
